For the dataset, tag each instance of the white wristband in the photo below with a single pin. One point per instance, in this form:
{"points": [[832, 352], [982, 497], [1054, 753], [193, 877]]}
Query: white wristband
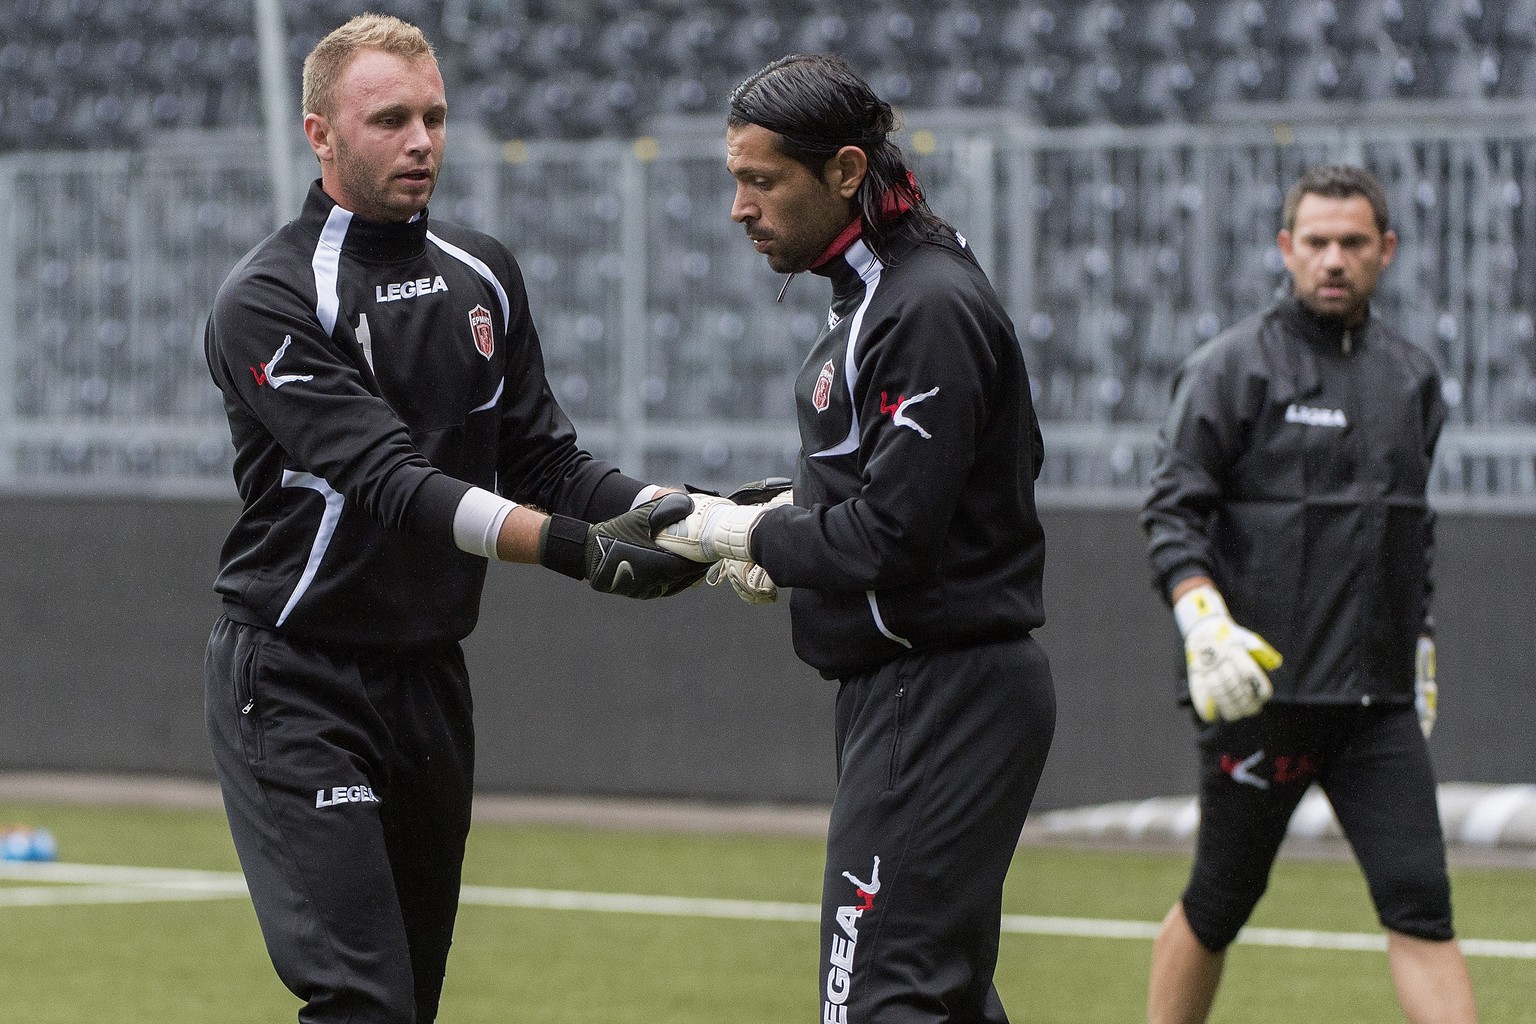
{"points": [[477, 521], [646, 494]]}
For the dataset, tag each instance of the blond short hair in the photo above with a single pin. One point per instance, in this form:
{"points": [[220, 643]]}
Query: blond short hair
{"points": [[331, 55]]}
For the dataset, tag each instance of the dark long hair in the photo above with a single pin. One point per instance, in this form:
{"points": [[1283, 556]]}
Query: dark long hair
{"points": [[817, 105]]}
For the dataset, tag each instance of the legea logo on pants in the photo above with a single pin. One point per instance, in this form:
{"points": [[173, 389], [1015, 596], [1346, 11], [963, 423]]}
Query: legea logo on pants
{"points": [[345, 795], [840, 961]]}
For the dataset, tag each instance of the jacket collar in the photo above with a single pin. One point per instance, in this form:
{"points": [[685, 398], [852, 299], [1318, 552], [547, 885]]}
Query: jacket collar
{"points": [[372, 241], [1325, 332]]}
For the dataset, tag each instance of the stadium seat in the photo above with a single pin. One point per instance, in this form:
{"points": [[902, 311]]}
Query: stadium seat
{"points": [[1518, 28], [1315, 75], [820, 34], [1086, 30], [1024, 35], [1240, 77], [1163, 92], [1375, 72], [753, 41], [1160, 30], [1232, 27], [965, 32], [1078, 98], [1463, 74]]}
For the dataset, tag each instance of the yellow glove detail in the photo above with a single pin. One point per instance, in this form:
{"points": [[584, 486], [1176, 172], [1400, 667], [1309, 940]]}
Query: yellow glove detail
{"points": [[1227, 664], [1426, 693]]}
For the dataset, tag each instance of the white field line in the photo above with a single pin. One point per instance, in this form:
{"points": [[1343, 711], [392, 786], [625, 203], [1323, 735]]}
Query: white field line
{"points": [[108, 884]]}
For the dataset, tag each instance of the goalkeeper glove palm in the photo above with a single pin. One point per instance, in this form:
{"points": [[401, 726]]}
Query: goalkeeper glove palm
{"points": [[1227, 664]]}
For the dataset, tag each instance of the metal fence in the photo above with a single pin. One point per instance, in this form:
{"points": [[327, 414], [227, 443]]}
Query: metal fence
{"points": [[1117, 252]]}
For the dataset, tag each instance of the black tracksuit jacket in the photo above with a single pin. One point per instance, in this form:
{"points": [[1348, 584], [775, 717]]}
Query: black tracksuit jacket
{"points": [[1293, 471], [915, 524], [371, 373]]}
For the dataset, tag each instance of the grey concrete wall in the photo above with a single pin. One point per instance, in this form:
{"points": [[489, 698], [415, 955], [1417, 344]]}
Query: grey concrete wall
{"points": [[105, 605]]}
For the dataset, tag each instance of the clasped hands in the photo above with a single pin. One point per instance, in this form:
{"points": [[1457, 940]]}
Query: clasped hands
{"points": [[669, 543]]}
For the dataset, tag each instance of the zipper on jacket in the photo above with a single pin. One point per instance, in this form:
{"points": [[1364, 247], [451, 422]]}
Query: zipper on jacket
{"points": [[1346, 342]]}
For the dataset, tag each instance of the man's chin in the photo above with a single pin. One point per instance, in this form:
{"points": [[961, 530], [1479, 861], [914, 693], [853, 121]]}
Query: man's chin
{"points": [[1348, 310], [779, 265]]}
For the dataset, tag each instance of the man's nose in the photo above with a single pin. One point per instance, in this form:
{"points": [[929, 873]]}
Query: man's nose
{"points": [[741, 210], [419, 138]]}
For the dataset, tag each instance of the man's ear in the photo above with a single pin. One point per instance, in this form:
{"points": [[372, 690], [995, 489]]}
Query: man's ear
{"points": [[318, 131], [845, 170]]}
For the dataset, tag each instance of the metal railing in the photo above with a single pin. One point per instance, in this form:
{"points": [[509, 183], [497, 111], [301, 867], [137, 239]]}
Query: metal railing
{"points": [[1117, 252]]}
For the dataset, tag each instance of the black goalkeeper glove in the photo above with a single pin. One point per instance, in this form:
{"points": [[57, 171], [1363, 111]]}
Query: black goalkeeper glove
{"points": [[619, 555], [760, 492]]}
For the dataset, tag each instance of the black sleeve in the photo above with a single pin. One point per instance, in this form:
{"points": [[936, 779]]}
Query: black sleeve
{"points": [[1194, 448], [1434, 422], [281, 373]]}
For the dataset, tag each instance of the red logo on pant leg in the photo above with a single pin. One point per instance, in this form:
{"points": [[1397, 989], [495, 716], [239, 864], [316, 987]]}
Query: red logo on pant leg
{"points": [[1294, 768]]}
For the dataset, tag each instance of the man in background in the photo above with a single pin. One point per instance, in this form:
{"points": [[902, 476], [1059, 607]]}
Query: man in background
{"points": [[393, 431], [1288, 525]]}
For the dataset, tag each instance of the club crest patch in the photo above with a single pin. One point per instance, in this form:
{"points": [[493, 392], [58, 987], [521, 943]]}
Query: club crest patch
{"points": [[822, 396], [480, 331]]}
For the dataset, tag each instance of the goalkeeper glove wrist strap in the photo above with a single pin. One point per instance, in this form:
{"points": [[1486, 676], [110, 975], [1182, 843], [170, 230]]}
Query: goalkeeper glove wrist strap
{"points": [[563, 546]]}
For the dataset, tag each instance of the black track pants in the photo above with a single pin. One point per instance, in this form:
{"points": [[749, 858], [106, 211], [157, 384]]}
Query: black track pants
{"points": [[347, 780], [939, 753]]}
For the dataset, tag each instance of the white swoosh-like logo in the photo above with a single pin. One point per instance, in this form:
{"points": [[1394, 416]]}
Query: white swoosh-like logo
{"points": [[274, 378], [1243, 774], [901, 419]]}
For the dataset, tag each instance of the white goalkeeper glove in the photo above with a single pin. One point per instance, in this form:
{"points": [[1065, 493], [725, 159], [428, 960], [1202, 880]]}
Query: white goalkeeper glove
{"points": [[1426, 694], [1227, 663], [718, 528], [750, 580]]}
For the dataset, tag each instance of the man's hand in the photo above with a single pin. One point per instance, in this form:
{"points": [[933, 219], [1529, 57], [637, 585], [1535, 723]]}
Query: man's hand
{"points": [[1227, 663], [1426, 693], [620, 555], [750, 580], [716, 528]]}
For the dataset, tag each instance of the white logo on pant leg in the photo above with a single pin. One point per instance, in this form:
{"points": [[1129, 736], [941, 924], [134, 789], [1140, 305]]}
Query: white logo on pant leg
{"points": [[840, 961], [867, 889], [345, 795], [1242, 771]]}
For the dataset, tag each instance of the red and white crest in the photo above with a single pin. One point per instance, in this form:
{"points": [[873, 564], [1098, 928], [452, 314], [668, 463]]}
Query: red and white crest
{"points": [[480, 330], [822, 396]]}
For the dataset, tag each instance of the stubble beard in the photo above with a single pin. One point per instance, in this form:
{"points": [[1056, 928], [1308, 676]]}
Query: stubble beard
{"points": [[370, 193]]}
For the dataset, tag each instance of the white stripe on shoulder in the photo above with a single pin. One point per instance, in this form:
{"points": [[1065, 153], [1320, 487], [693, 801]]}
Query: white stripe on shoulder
{"points": [[327, 529], [480, 267], [327, 266], [868, 266]]}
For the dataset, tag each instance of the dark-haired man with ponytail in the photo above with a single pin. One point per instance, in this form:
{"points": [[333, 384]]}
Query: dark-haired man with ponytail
{"points": [[912, 544]]}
